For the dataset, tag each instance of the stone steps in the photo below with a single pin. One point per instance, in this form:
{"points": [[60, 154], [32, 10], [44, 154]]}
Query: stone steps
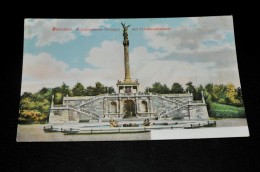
{"points": [[127, 119], [91, 100], [80, 111]]}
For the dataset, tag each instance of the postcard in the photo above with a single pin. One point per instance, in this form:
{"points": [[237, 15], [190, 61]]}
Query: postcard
{"points": [[130, 79]]}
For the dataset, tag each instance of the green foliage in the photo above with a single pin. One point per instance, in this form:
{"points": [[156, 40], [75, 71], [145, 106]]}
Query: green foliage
{"points": [[64, 90], [231, 95], [239, 95], [157, 87], [209, 88], [78, 90], [197, 94], [223, 101], [190, 88], [224, 94], [177, 88], [58, 98], [208, 100], [99, 88], [226, 111], [31, 116], [165, 89], [90, 91], [34, 108], [26, 95], [111, 90], [218, 93]]}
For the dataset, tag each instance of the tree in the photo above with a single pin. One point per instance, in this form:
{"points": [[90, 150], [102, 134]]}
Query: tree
{"points": [[190, 88], [209, 88], [34, 108], [219, 93], [26, 94], [99, 88], [165, 89], [148, 89], [177, 88], [26, 103], [231, 95], [90, 91], [56, 90], [30, 116], [78, 90], [65, 90], [59, 93], [157, 87], [58, 98], [198, 95], [239, 95], [111, 90], [44, 90], [208, 100]]}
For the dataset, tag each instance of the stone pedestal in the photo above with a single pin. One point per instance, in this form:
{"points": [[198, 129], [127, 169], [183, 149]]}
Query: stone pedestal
{"points": [[127, 87]]}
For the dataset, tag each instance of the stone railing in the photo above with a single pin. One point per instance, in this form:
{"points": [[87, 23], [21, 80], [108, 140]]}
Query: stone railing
{"points": [[197, 101], [90, 100], [77, 98], [167, 111], [91, 113], [168, 99], [178, 95], [59, 105], [94, 115]]}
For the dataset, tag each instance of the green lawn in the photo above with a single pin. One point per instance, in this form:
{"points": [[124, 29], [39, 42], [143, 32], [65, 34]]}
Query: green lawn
{"points": [[226, 111]]}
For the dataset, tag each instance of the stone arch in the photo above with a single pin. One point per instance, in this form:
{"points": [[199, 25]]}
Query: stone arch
{"points": [[129, 108], [113, 107], [144, 106]]}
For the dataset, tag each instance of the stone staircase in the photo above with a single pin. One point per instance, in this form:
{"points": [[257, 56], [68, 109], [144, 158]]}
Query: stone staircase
{"points": [[89, 109], [176, 101], [166, 105], [87, 113], [88, 101], [170, 110]]}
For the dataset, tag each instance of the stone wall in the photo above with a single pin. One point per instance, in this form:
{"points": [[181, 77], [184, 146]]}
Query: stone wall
{"points": [[58, 115], [199, 111]]}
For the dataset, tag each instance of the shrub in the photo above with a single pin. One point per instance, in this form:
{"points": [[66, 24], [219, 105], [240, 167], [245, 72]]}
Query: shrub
{"points": [[226, 111]]}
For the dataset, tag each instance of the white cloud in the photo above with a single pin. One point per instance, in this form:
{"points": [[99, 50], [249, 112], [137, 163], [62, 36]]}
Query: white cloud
{"points": [[190, 37], [108, 55], [214, 23], [43, 70], [42, 29], [185, 46], [43, 66], [170, 71]]}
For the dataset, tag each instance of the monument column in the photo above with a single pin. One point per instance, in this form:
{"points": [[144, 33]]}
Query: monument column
{"points": [[127, 65], [127, 86], [126, 53]]}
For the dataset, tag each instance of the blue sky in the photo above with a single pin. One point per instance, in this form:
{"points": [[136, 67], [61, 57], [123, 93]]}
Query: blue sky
{"points": [[192, 50]]}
